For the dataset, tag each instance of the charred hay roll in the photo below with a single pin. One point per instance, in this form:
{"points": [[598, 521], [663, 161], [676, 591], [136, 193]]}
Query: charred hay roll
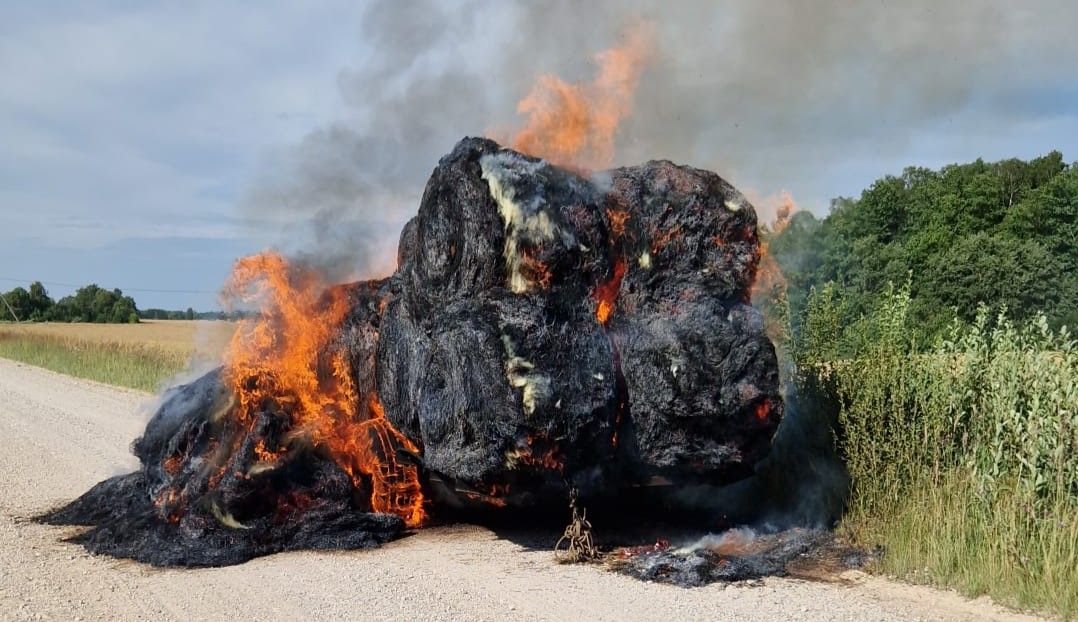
{"points": [[545, 329]]}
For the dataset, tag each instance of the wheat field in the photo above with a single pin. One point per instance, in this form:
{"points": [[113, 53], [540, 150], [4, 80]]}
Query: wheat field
{"points": [[139, 356], [204, 337]]}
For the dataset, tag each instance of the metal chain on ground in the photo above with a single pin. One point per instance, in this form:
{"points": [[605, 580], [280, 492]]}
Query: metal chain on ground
{"points": [[579, 545]]}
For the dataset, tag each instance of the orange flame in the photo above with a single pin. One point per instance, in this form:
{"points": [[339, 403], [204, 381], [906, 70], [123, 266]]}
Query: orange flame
{"points": [[607, 293], [574, 124], [663, 238], [733, 543], [541, 453], [763, 410], [285, 357], [170, 504], [174, 463], [535, 270], [779, 207], [775, 209], [769, 286]]}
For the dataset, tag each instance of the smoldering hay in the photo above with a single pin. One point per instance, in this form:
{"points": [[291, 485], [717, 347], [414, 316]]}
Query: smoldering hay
{"points": [[545, 329]]}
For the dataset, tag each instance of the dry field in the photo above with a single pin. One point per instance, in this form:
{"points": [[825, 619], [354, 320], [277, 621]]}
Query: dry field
{"points": [[204, 337], [138, 356]]}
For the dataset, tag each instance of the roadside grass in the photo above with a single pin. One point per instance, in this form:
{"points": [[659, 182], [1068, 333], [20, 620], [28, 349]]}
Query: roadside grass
{"points": [[944, 534], [963, 456], [137, 356]]}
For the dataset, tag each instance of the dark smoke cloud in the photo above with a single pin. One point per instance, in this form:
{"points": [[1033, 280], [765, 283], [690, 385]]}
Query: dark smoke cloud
{"points": [[770, 94]]}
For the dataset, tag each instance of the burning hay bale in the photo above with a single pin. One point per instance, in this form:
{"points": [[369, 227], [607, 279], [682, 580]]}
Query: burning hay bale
{"points": [[545, 329], [203, 497], [553, 327]]}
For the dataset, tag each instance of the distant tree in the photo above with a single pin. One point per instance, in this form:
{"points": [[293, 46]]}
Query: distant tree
{"points": [[883, 210], [1050, 215], [94, 304], [40, 303], [188, 314], [101, 306], [17, 305], [1002, 271]]}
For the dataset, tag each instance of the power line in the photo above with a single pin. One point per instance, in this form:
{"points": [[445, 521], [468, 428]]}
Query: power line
{"points": [[126, 289]]}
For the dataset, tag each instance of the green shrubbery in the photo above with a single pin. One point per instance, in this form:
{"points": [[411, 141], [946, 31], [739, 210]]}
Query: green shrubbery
{"points": [[964, 453]]}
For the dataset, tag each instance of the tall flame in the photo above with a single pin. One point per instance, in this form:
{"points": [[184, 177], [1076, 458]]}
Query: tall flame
{"points": [[285, 356], [769, 287], [778, 208], [574, 124]]}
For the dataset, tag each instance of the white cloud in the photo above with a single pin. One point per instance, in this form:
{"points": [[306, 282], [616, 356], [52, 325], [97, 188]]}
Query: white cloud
{"points": [[143, 119]]}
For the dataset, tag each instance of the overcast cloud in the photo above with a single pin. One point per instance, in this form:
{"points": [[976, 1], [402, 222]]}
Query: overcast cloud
{"points": [[146, 146]]}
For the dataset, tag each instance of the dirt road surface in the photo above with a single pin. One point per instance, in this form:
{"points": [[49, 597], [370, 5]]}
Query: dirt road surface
{"points": [[59, 435]]}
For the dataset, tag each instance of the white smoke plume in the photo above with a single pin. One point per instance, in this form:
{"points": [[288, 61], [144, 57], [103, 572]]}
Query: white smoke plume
{"points": [[766, 93]]}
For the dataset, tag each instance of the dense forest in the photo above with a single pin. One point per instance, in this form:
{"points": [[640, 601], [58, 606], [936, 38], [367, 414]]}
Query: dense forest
{"points": [[189, 314], [1002, 233]]}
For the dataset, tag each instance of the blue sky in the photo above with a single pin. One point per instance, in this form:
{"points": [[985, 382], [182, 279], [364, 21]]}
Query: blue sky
{"points": [[146, 145]]}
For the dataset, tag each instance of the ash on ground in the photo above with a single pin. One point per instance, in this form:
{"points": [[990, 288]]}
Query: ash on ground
{"points": [[741, 554]]}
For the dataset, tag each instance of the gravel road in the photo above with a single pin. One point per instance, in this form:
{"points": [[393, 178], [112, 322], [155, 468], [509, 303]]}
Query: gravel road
{"points": [[59, 435]]}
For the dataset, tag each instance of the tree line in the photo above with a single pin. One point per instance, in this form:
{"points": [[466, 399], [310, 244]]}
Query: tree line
{"points": [[189, 314], [91, 303], [1002, 233]]}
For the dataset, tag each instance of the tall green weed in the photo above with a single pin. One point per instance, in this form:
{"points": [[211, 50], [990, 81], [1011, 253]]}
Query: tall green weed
{"points": [[963, 455]]}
